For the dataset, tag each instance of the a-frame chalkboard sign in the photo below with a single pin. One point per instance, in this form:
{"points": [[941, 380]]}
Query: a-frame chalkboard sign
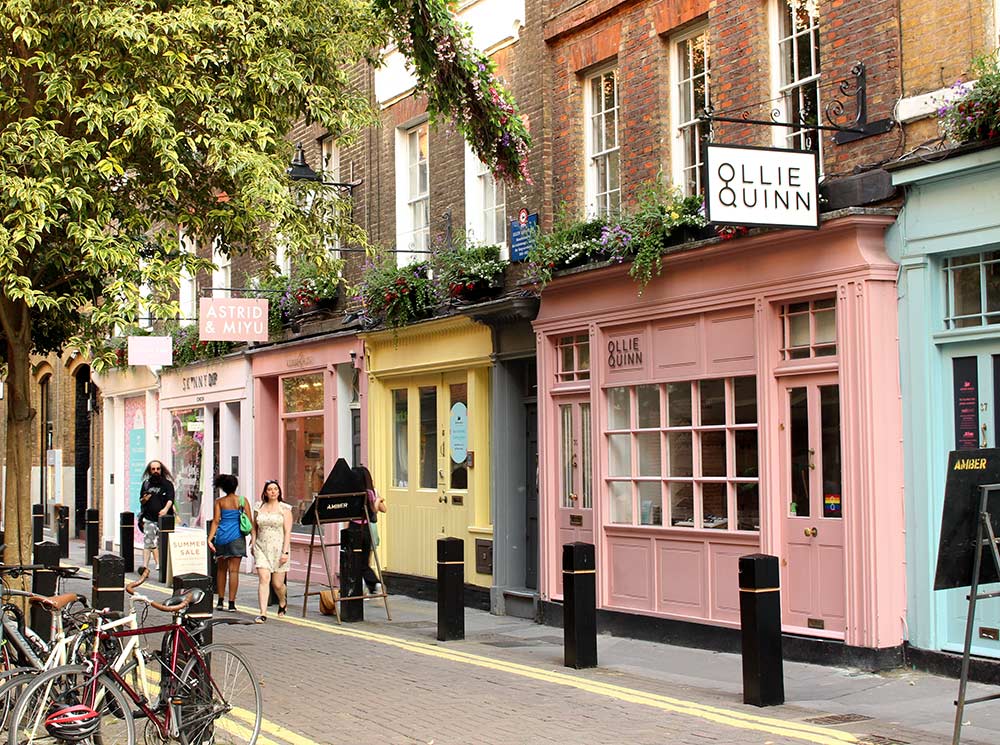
{"points": [[342, 498], [968, 527]]}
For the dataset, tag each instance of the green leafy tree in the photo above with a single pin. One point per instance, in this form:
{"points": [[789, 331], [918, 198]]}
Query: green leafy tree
{"points": [[123, 121]]}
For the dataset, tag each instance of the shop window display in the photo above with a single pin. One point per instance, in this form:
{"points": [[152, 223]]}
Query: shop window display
{"points": [[302, 428], [187, 441], [684, 454]]}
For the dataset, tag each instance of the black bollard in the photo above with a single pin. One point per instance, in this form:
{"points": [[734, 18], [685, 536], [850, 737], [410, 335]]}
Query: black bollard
{"points": [[166, 523], [760, 622], [126, 539], [44, 582], [108, 590], [451, 589], [202, 609], [63, 530], [37, 523], [350, 576], [92, 533], [579, 605]]}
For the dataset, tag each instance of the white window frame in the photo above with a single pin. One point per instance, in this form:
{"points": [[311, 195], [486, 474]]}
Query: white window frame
{"points": [[412, 241], [681, 169], [222, 274], [330, 169], [602, 199], [187, 288], [282, 259], [794, 137], [481, 216]]}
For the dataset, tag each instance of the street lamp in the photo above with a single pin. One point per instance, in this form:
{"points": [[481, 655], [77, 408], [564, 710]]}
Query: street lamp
{"points": [[299, 170]]}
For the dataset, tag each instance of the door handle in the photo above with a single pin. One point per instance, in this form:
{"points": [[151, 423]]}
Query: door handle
{"points": [[811, 532]]}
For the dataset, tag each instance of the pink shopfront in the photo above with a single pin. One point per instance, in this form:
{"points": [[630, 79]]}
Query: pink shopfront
{"points": [[747, 401], [308, 412]]}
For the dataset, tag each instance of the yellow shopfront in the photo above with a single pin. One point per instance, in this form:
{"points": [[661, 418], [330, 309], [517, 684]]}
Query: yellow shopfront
{"points": [[429, 423]]}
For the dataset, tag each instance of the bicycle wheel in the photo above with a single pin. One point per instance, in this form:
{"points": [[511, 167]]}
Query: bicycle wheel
{"points": [[71, 685], [221, 703], [12, 683]]}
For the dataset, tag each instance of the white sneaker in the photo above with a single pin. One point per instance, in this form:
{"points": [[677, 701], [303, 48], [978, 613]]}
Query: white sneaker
{"points": [[378, 589]]}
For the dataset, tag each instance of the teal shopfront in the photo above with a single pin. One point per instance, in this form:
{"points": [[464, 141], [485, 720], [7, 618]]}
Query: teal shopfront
{"points": [[947, 243]]}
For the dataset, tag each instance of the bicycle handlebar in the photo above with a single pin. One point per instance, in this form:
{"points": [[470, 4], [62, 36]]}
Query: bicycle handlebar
{"points": [[143, 576]]}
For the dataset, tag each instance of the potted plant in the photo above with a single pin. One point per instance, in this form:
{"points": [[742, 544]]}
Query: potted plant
{"points": [[570, 243], [972, 111], [469, 271], [396, 296], [318, 285]]}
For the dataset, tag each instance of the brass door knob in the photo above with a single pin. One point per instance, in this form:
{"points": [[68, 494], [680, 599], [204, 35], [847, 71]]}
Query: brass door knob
{"points": [[811, 532]]}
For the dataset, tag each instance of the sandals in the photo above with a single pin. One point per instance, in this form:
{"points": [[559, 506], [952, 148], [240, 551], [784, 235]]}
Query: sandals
{"points": [[260, 619], [282, 609]]}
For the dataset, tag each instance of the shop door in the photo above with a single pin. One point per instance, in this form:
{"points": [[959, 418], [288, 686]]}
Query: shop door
{"points": [[430, 488], [575, 514], [813, 587], [972, 375]]}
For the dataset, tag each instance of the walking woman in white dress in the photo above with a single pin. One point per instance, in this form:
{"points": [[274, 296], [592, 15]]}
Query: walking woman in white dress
{"points": [[271, 549]]}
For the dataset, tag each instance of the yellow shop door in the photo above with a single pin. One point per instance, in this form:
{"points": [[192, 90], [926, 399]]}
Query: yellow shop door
{"points": [[430, 493]]}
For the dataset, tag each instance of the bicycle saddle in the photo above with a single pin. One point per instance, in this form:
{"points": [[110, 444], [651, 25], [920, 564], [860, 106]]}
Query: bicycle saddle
{"points": [[179, 597], [56, 602]]}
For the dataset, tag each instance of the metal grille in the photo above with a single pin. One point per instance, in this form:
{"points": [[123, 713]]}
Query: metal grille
{"points": [[838, 719], [880, 740]]}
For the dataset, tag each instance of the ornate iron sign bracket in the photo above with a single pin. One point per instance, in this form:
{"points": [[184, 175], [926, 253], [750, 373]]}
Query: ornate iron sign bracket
{"points": [[858, 129]]}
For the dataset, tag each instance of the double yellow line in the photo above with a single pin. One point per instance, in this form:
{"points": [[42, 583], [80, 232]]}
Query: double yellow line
{"points": [[800, 731], [727, 717]]}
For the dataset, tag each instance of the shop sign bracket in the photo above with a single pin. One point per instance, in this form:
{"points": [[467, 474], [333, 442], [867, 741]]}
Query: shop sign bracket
{"points": [[856, 85]]}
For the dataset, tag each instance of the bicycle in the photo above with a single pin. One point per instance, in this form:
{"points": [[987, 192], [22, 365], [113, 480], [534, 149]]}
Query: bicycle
{"points": [[207, 694], [24, 652]]}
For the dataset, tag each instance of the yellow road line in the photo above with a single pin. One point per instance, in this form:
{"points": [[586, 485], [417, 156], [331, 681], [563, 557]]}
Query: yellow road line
{"points": [[741, 720], [265, 725], [727, 717], [228, 725], [275, 729]]}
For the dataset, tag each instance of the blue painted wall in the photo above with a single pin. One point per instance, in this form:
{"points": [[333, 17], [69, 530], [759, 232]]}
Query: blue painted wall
{"points": [[952, 207]]}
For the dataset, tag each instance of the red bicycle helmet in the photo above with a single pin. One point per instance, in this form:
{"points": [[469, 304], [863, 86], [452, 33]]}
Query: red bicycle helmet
{"points": [[72, 723]]}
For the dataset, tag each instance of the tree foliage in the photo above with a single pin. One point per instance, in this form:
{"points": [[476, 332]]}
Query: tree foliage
{"points": [[123, 122]]}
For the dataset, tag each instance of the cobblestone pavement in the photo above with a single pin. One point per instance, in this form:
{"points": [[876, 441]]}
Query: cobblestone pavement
{"points": [[390, 682]]}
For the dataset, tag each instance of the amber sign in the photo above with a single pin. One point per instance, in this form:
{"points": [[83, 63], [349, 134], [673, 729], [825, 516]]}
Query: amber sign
{"points": [[232, 319]]}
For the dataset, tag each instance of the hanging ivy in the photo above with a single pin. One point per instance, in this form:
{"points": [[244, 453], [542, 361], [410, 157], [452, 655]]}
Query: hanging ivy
{"points": [[460, 83]]}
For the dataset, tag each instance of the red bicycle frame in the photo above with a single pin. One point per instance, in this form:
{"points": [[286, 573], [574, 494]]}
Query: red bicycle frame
{"points": [[180, 636]]}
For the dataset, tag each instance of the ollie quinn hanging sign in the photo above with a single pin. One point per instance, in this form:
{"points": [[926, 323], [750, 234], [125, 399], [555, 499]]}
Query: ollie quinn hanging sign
{"points": [[761, 187], [232, 319]]}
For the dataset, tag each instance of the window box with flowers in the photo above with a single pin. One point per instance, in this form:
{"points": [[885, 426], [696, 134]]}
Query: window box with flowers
{"points": [[662, 217], [470, 272], [971, 112], [189, 348], [396, 296]]}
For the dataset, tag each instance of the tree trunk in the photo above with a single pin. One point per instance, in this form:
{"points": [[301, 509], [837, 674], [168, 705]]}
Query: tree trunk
{"points": [[20, 415]]}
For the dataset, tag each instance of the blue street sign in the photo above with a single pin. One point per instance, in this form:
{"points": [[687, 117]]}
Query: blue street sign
{"points": [[520, 235]]}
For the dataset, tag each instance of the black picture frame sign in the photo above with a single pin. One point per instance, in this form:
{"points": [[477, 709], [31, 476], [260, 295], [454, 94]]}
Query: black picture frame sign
{"points": [[967, 471]]}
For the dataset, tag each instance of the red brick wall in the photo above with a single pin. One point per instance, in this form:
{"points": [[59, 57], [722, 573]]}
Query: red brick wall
{"points": [[636, 36], [522, 65]]}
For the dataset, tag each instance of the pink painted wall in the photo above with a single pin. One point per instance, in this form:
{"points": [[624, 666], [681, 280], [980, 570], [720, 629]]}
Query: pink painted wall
{"points": [[715, 311], [267, 368]]}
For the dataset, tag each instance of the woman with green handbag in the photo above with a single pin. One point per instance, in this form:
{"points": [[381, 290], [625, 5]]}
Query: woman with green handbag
{"points": [[232, 523]]}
